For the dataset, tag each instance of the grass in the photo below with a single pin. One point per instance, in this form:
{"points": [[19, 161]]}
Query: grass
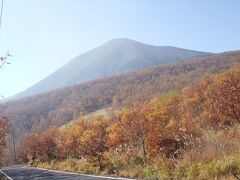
{"points": [[70, 165], [223, 168], [216, 169], [160, 168], [217, 158], [106, 112]]}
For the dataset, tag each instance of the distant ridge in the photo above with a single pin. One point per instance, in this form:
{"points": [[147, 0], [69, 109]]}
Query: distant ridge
{"points": [[114, 57]]}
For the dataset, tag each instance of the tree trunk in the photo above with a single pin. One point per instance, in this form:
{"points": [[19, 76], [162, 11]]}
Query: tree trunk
{"points": [[143, 147], [100, 162]]}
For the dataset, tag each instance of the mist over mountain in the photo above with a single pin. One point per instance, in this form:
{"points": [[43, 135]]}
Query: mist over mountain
{"points": [[114, 57]]}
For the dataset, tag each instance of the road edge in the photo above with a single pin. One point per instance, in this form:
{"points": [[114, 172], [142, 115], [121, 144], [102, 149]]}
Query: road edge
{"points": [[87, 175], [5, 174]]}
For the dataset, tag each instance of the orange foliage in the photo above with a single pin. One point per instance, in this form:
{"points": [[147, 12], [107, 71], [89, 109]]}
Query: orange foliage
{"points": [[226, 96], [47, 149], [3, 134], [167, 126], [29, 147], [94, 141]]}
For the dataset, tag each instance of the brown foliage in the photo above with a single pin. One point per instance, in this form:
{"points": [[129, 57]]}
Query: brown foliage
{"points": [[47, 144], [3, 134], [167, 127], [28, 147], [226, 96], [94, 141], [60, 106]]}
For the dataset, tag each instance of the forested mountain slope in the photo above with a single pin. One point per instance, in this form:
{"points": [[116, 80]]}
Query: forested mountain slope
{"points": [[60, 106], [191, 133], [114, 57]]}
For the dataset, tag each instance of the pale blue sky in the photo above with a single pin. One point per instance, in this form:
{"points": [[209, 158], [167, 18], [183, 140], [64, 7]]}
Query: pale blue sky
{"points": [[43, 35]]}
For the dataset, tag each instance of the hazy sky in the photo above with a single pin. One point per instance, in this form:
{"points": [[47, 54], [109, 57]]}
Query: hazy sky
{"points": [[43, 35]]}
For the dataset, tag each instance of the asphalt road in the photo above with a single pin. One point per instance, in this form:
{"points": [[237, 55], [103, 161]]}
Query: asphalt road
{"points": [[22, 173]]}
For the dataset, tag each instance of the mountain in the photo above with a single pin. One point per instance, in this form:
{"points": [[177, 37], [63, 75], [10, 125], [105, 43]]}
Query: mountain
{"points": [[58, 107], [114, 57]]}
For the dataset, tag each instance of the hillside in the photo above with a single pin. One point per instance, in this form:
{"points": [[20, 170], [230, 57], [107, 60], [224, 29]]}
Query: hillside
{"points": [[114, 57], [60, 106], [192, 133]]}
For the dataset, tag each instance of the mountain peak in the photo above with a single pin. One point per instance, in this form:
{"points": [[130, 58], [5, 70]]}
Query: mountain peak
{"points": [[116, 56], [122, 42]]}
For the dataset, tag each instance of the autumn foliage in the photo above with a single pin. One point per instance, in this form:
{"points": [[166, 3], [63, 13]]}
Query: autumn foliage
{"points": [[169, 127], [60, 106], [3, 134], [226, 96]]}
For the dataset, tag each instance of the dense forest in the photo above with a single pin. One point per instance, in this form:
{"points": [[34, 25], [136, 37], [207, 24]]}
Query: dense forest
{"points": [[57, 107], [186, 133]]}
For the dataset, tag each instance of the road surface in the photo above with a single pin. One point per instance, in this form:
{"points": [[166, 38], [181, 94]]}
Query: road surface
{"points": [[25, 173]]}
